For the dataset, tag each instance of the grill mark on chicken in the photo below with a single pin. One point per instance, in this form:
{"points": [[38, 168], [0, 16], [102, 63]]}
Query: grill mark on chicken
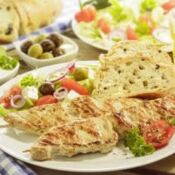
{"points": [[92, 135]]}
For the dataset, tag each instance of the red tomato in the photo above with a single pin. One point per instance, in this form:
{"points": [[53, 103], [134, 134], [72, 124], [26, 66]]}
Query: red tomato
{"points": [[131, 34], [73, 85], [104, 25], [48, 99], [79, 16], [147, 19], [158, 133], [87, 14], [167, 6], [5, 100]]}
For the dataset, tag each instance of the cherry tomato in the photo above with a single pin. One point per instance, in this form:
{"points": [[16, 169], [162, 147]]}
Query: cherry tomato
{"points": [[5, 100], [147, 19], [48, 99], [131, 34], [167, 6], [87, 14], [73, 85], [104, 25], [158, 133]]}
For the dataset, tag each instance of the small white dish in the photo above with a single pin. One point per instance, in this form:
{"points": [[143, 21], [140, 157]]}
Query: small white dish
{"points": [[6, 75], [71, 52]]}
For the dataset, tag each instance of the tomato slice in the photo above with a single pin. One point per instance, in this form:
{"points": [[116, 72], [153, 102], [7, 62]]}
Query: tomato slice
{"points": [[104, 25], [167, 6], [158, 133], [131, 34], [5, 100], [73, 85], [48, 99]]}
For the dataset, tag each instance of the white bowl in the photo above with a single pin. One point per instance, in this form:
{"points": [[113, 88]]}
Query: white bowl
{"points": [[34, 62], [8, 74]]}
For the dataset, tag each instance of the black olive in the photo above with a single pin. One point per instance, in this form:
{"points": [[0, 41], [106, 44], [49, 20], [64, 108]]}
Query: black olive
{"points": [[57, 52], [55, 39], [47, 45], [46, 89], [26, 45]]}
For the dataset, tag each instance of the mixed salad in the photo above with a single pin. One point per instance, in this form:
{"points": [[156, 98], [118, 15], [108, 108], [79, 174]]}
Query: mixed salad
{"points": [[34, 91], [109, 21], [69, 82], [6, 61]]}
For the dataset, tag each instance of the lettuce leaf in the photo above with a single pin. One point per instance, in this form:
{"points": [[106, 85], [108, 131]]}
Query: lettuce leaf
{"points": [[120, 13], [3, 111], [148, 5]]}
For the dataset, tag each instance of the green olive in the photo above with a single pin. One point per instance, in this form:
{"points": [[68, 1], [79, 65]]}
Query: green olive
{"points": [[40, 38], [80, 74], [46, 55], [88, 84], [35, 50]]}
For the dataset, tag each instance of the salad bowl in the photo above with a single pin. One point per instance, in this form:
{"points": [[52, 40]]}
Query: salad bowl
{"points": [[8, 74], [123, 20]]}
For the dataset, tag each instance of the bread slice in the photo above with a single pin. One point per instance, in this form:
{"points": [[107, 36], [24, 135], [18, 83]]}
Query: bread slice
{"points": [[88, 136], [9, 22], [132, 77], [36, 13], [133, 49]]}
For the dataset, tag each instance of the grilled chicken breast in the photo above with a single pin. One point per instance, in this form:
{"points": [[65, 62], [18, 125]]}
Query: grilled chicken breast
{"points": [[129, 115], [88, 136], [39, 119]]}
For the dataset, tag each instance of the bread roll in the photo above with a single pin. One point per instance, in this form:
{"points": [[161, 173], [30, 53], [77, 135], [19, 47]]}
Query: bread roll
{"points": [[18, 17], [9, 22]]}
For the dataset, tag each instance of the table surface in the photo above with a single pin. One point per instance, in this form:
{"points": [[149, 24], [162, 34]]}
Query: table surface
{"points": [[163, 167]]}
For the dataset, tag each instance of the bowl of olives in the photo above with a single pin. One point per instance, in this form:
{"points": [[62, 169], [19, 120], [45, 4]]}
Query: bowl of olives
{"points": [[46, 49]]}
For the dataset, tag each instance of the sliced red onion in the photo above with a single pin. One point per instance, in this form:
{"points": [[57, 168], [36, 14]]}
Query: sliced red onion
{"points": [[60, 93], [17, 101], [71, 66], [57, 75]]}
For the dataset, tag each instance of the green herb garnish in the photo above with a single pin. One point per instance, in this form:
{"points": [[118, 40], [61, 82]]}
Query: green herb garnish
{"points": [[136, 143], [171, 121]]}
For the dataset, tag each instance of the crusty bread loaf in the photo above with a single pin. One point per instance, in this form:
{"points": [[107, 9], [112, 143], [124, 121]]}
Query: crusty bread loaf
{"points": [[19, 17], [138, 76], [131, 49], [35, 14]]}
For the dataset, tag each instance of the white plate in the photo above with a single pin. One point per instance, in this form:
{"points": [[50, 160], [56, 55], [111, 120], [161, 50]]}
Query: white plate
{"points": [[14, 143], [34, 62], [6, 75]]}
